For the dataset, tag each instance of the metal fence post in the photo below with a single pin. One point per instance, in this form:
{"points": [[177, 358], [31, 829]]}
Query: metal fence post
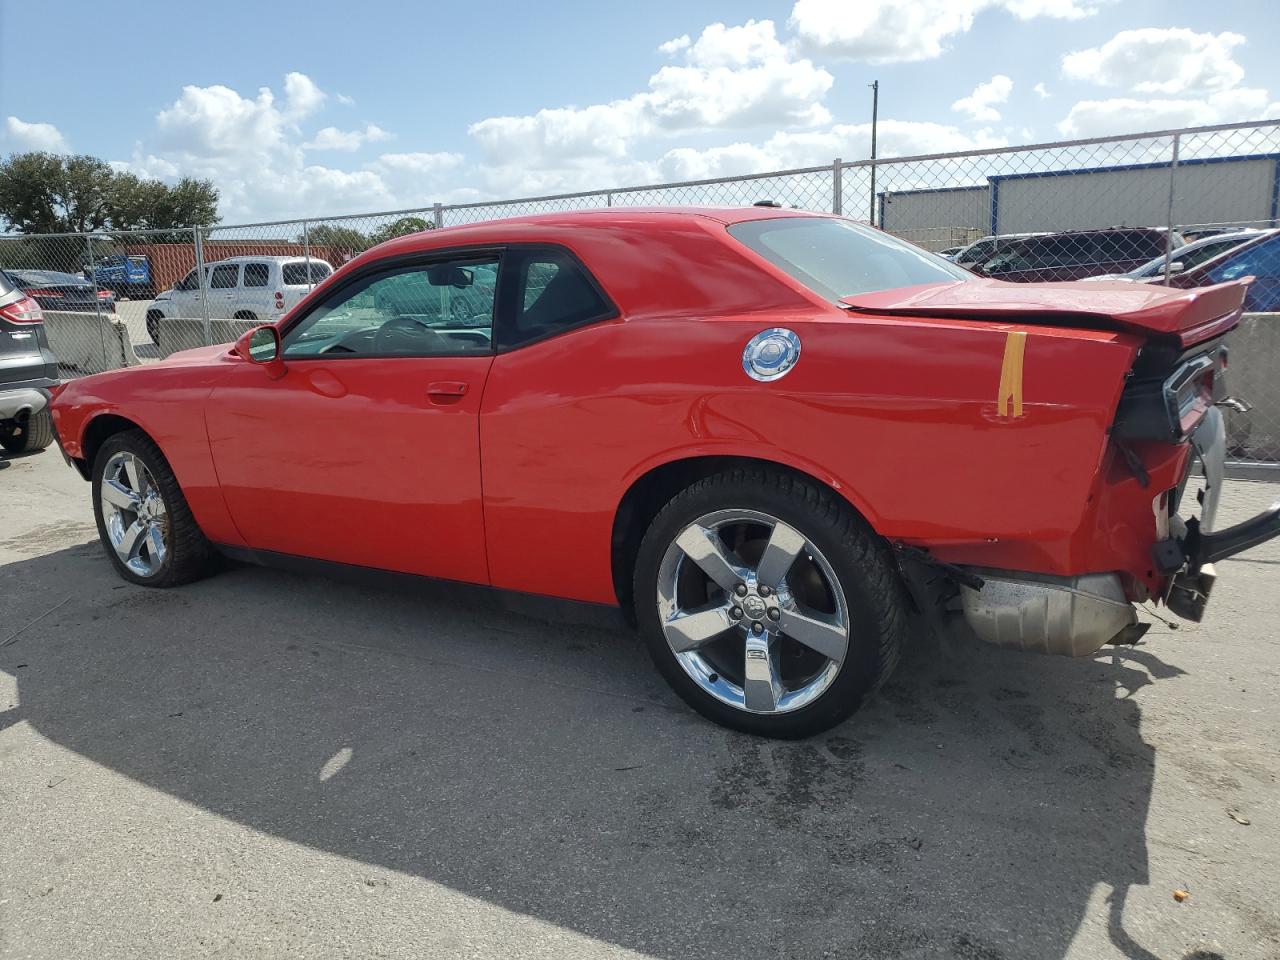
{"points": [[97, 303], [608, 199], [1168, 237], [202, 285], [438, 215], [837, 200], [306, 251]]}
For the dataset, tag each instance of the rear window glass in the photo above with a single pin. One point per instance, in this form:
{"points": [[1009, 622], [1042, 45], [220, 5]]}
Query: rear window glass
{"points": [[839, 258], [295, 274]]}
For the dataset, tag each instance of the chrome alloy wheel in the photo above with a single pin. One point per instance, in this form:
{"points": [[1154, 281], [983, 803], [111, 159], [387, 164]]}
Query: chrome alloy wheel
{"points": [[753, 612], [134, 513]]}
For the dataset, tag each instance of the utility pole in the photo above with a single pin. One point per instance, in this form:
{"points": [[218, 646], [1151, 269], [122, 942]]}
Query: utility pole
{"points": [[875, 110]]}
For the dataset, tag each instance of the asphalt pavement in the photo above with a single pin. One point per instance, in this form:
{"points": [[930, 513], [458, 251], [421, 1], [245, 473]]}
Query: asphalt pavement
{"points": [[264, 765]]}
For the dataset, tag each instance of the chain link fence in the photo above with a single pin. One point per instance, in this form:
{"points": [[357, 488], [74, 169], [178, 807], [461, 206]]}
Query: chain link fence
{"points": [[1154, 207]]}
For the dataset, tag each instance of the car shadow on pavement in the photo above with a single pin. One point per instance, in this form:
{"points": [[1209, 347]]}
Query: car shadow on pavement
{"points": [[970, 811]]}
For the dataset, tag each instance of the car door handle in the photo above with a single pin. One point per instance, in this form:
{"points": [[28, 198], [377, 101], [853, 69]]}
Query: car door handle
{"points": [[446, 391]]}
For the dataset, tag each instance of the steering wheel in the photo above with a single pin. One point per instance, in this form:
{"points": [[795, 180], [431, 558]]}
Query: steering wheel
{"points": [[408, 335]]}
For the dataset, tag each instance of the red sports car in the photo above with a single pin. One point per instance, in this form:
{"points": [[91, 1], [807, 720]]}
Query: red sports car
{"points": [[766, 436]]}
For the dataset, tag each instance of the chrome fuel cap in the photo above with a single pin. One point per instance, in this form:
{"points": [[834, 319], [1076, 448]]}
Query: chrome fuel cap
{"points": [[771, 354]]}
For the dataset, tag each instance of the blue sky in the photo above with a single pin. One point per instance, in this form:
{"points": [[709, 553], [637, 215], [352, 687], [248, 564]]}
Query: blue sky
{"points": [[389, 103]]}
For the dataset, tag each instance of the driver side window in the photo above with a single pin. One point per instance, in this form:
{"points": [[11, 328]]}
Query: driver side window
{"points": [[426, 310]]}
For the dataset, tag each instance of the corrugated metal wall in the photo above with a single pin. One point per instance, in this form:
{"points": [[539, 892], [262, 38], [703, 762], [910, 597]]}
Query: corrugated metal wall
{"points": [[1237, 192]]}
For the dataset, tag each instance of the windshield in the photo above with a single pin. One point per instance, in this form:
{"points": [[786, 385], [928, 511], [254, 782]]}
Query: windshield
{"points": [[839, 258]]}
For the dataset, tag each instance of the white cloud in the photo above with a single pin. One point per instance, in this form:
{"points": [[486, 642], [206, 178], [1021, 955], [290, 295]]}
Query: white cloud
{"points": [[35, 136], [1096, 118], [1164, 61], [1042, 91], [331, 138], [731, 78], [980, 105], [894, 31], [808, 148], [346, 101], [302, 96], [1057, 9], [253, 151], [672, 47]]}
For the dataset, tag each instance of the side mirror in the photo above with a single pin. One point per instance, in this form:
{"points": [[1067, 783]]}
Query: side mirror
{"points": [[1177, 266], [261, 345]]}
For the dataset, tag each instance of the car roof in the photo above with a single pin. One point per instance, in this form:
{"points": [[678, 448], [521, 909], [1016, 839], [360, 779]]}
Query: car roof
{"points": [[299, 257], [43, 276], [565, 222], [651, 214], [1230, 236]]}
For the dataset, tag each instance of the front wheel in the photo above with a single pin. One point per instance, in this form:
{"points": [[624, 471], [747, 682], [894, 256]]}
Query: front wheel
{"points": [[768, 604], [146, 527]]}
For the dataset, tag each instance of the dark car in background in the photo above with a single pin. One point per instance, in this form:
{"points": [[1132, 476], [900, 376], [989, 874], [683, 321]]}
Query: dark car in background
{"points": [[985, 248], [28, 371], [61, 291], [1076, 254], [1258, 258]]}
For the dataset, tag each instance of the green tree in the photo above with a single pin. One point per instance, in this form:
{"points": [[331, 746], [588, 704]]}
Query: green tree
{"points": [[49, 193], [399, 228], [347, 239]]}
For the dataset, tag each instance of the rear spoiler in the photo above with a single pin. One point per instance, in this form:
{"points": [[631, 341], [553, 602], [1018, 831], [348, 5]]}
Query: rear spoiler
{"points": [[1191, 316]]}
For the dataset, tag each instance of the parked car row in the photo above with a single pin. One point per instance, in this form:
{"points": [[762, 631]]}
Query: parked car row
{"points": [[1135, 254], [1185, 257]]}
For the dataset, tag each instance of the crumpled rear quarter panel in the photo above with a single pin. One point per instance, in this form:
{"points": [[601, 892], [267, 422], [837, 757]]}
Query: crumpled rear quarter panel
{"points": [[902, 416]]}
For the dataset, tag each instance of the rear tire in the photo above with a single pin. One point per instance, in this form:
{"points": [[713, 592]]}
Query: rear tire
{"points": [[29, 435], [820, 572], [153, 325], [246, 315], [147, 528]]}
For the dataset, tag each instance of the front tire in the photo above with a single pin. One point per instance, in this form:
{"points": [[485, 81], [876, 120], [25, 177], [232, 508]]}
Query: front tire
{"points": [[767, 603], [146, 526], [29, 435]]}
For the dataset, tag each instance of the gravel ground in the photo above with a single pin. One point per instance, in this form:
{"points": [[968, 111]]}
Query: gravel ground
{"points": [[265, 765]]}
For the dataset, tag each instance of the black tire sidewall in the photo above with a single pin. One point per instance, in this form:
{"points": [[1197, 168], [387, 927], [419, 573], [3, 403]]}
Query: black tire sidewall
{"points": [[876, 603], [37, 434]]}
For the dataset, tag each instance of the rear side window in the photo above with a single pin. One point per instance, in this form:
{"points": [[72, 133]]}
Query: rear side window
{"points": [[295, 274], [255, 274], [839, 258], [554, 293], [224, 277]]}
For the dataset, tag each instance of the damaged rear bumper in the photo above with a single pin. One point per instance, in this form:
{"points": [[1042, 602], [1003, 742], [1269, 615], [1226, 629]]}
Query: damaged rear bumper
{"points": [[1075, 616], [1188, 558]]}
